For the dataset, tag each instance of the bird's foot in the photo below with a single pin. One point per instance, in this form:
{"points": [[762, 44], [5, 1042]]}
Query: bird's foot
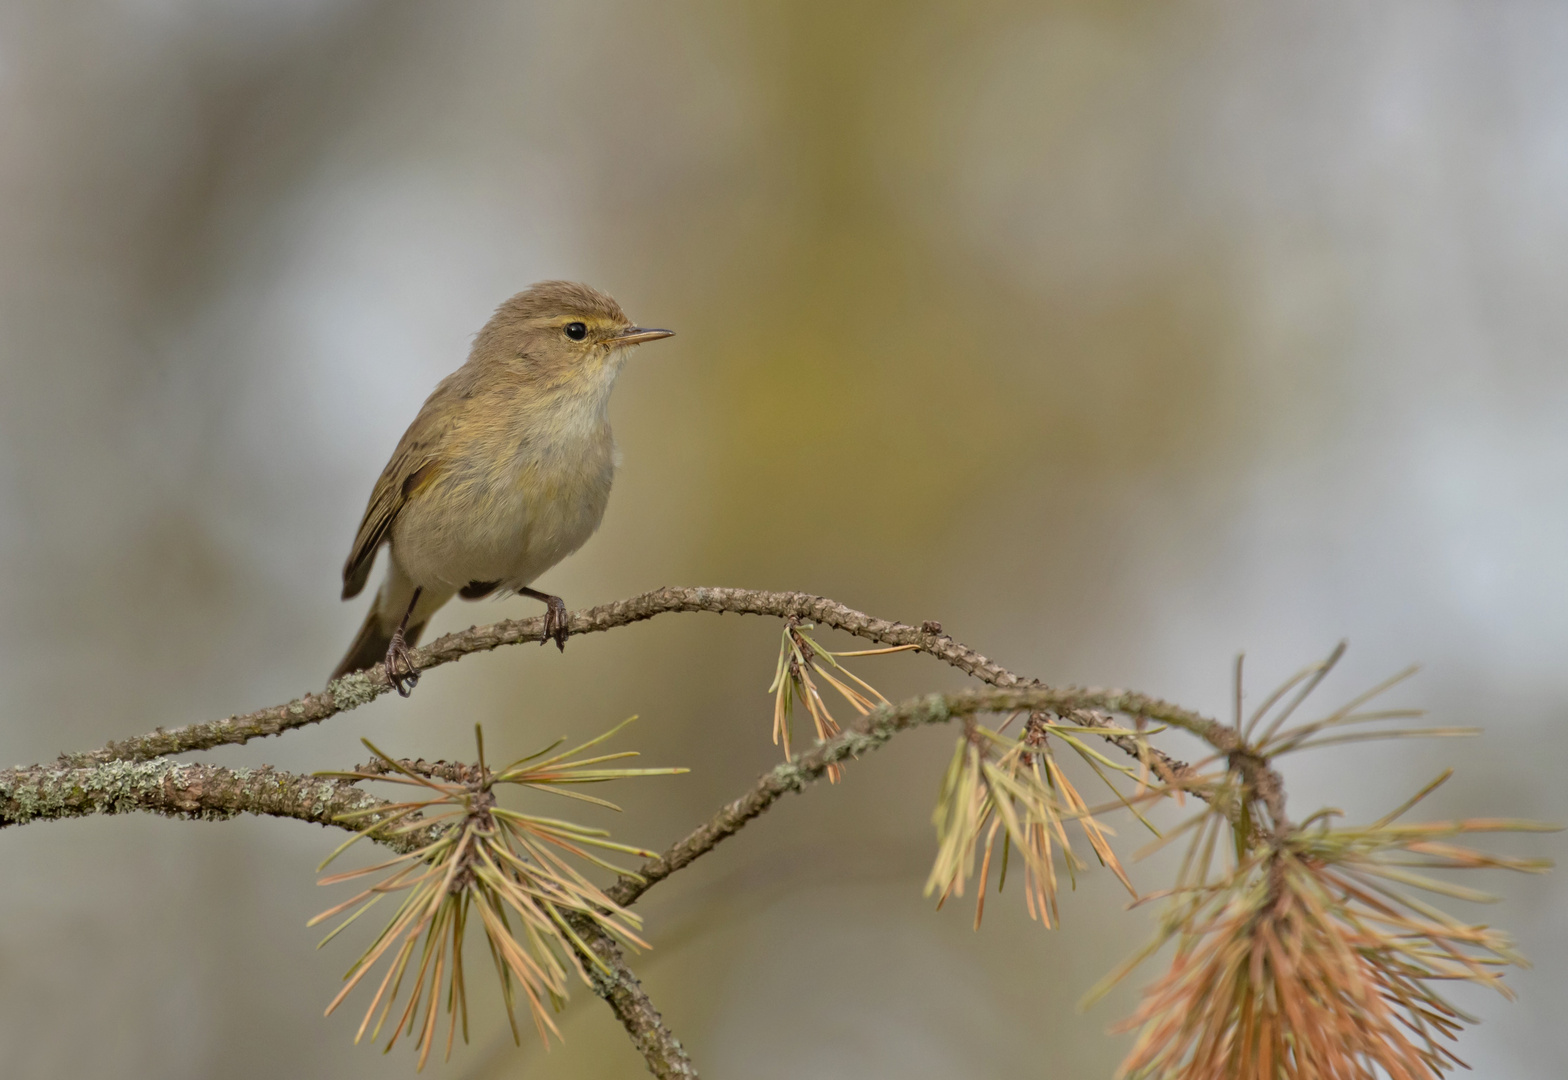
{"points": [[555, 622], [401, 672]]}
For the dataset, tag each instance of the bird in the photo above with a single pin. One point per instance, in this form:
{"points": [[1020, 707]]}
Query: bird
{"points": [[505, 472]]}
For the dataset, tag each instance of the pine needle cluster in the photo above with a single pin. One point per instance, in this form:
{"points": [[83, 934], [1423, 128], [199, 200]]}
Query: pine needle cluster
{"points": [[469, 858], [1306, 951]]}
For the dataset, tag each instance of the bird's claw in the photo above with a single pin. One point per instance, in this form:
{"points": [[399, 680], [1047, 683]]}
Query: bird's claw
{"points": [[555, 622], [404, 680]]}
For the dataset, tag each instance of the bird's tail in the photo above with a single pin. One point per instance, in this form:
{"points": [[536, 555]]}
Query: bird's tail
{"points": [[370, 644]]}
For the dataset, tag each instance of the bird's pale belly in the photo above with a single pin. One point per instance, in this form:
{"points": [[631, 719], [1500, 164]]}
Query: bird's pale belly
{"points": [[508, 527]]}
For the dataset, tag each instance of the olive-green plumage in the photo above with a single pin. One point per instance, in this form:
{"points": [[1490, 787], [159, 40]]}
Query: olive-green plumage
{"points": [[505, 471]]}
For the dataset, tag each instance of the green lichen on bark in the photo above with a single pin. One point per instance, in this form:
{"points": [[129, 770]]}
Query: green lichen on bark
{"points": [[115, 788], [353, 690]]}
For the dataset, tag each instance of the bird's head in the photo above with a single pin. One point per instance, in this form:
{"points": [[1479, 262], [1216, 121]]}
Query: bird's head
{"points": [[561, 334]]}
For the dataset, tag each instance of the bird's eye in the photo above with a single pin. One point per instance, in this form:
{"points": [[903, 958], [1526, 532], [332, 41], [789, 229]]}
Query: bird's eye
{"points": [[576, 331]]}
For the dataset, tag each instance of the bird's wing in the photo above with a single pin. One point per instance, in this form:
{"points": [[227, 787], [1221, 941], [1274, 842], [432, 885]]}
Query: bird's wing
{"points": [[415, 462]]}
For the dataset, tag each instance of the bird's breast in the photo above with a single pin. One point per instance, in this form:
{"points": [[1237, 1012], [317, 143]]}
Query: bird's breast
{"points": [[508, 507]]}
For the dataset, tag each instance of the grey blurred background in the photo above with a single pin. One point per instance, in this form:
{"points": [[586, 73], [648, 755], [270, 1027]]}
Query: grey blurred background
{"points": [[1118, 337]]}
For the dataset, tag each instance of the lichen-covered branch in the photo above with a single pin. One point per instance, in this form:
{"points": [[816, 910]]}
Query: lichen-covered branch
{"points": [[869, 732], [172, 788], [210, 792], [344, 694], [363, 687], [185, 789], [204, 791], [865, 734], [134, 774], [623, 992]]}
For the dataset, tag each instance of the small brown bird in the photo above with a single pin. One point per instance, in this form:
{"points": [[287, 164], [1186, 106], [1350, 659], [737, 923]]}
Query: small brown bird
{"points": [[505, 471]]}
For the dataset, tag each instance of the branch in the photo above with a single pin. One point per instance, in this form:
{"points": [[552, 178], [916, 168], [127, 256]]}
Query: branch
{"points": [[210, 792], [343, 694], [363, 687], [870, 732], [623, 992], [182, 789], [189, 790], [204, 791], [129, 775], [174, 789]]}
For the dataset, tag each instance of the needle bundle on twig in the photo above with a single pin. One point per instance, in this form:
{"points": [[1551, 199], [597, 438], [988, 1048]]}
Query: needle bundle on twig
{"points": [[1301, 950], [471, 858], [799, 656], [1013, 790]]}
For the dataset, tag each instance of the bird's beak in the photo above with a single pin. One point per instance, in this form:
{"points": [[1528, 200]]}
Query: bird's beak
{"points": [[636, 335]]}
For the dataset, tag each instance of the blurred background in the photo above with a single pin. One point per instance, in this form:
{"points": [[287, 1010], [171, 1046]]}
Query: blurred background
{"points": [[1118, 337]]}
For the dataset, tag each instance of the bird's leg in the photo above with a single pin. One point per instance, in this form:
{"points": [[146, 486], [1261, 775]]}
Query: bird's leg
{"points": [[397, 654], [554, 616]]}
